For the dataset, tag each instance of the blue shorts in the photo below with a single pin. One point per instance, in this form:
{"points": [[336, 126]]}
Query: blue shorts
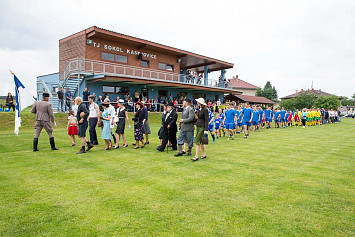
{"points": [[210, 127], [230, 126], [246, 123], [255, 123], [283, 120], [216, 126], [267, 120], [240, 124], [222, 125], [276, 120], [260, 121]]}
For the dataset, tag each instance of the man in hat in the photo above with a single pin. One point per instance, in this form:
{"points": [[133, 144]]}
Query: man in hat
{"points": [[187, 127], [170, 128], [82, 117], [44, 116]]}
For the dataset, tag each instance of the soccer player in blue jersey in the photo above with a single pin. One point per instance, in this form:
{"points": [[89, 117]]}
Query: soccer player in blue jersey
{"points": [[210, 124], [268, 118], [261, 113], [239, 120], [277, 117], [283, 117], [247, 118], [222, 127], [255, 121], [229, 120], [217, 125]]}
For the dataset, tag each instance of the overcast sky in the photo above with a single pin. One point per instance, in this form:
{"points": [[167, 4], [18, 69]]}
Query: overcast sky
{"points": [[290, 43]]}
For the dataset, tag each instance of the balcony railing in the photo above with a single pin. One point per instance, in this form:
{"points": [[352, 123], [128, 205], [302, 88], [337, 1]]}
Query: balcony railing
{"points": [[86, 66]]}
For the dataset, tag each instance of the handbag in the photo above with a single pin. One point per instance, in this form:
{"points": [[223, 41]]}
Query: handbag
{"points": [[100, 124], [204, 139]]}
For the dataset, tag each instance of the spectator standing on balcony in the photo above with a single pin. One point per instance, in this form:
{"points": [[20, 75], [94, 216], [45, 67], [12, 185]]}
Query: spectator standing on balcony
{"points": [[86, 94], [68, 100], [60, 97], [10, 101]]}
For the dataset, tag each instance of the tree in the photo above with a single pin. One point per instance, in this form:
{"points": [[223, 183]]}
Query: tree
{"points": [[348, 102], [327, 102], [268, 92]]}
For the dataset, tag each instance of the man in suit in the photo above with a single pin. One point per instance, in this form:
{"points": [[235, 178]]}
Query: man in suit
{"points": [[44, 116], [186, 132], [170, 128]]}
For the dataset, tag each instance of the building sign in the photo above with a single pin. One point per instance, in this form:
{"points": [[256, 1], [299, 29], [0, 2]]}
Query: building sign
{"points": [[121, 50]]}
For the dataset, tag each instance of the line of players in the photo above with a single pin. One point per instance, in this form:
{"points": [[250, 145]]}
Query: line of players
{"points": [[243, 118]]}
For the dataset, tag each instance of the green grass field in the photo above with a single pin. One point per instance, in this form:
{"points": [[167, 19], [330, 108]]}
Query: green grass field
{"points": [[279, 182]]}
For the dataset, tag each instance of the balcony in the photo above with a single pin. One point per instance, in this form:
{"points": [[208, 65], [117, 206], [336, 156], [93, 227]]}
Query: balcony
{"points": [[90, 67]]}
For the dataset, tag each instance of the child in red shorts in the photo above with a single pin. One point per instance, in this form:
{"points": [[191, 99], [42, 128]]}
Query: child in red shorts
{"points": [[72, 127]]}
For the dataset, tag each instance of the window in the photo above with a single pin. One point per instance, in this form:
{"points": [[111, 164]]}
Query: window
{"points": [[163, 93], [108, 56], [108, 89], [55, 89], [121, 90], [144, 63], [167, 67], [162, 66], [198, 95], [121, 58]]}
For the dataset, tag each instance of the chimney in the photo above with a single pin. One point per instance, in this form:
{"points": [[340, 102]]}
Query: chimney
{"points": [[312, 90], [236, 76], [301, 90], [296, 91], [233, 77]]}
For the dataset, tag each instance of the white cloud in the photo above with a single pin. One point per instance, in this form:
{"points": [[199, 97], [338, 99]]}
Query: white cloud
{"points": [[290, 43]]}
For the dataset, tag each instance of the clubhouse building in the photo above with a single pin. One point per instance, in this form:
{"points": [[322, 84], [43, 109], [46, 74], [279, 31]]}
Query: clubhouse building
{"points": [[115, 64]]}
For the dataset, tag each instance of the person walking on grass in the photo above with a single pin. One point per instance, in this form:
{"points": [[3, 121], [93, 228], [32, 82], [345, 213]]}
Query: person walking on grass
{"points": [[247, 118], [106, 125], [146, 127], [94, 118], [255, 121], [44, 116], [138, 125], [112, 112], [229, 120], [72, 127], [186, 131], [304, 117], [82, 117], [201, 128], [121, 117], [170, 128]]}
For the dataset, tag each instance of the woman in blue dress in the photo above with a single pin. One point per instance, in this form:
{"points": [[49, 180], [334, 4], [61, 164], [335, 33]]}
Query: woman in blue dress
{"points": [[105, 130]]}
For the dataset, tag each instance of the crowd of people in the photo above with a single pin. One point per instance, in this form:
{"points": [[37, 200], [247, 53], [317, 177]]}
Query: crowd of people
{"points": [[199, 121]]}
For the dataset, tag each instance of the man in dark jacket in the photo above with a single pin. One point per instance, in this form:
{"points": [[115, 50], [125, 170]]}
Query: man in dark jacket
{"points": [[170, 128], [82, 117]]}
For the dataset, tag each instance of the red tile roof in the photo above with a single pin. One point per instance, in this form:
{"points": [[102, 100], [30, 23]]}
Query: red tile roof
{"points": [[250, 99], [317, 93], [240, 84]]}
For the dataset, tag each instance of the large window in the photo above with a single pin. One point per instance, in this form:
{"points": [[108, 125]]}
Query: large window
{"points": [[198, 95], [145, 63], [164, 66], [108, 89], [115, 89], [121, 58], [108, 56], [163, 93]]}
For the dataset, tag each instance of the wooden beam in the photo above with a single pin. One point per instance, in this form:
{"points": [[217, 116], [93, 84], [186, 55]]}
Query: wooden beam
{"points": [[197, 65]]}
